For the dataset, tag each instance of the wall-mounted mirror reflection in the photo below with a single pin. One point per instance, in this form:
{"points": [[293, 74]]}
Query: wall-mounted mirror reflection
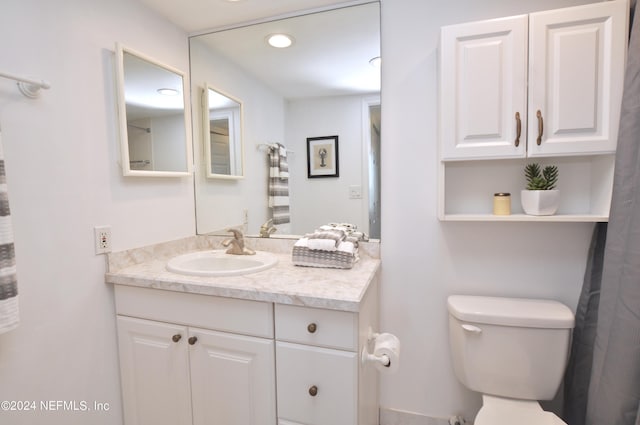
{"points": [[326, 83], [154, 127], [222, 134]]}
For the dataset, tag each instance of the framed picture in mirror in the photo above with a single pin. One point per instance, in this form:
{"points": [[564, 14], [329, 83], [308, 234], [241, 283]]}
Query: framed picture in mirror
{"points": [[322, 157]]}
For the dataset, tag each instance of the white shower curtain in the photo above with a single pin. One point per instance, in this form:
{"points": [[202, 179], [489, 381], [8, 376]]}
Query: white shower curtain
{"points": [[9, 317]]}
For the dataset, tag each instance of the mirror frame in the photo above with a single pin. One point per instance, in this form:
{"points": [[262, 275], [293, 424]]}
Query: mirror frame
{"points": [[206, 131], [122, 117]]}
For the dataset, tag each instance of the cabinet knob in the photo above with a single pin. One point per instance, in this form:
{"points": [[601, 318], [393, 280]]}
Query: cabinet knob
{"points": [[192, 340], [312, 328], [540, 127], [176, 338], [313, 391]]}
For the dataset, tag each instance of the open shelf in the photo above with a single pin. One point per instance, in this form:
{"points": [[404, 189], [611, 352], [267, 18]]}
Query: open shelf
{"points": [[467, 188]]}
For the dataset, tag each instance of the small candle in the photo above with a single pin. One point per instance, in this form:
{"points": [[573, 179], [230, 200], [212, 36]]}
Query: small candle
{"points": [[502, 203]]}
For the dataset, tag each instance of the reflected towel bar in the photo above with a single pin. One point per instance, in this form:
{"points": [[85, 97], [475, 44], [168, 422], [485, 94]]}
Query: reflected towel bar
{"points": [[28, 87], [265, 147]]}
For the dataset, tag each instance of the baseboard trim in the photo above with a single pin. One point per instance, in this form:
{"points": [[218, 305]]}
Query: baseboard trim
{"points": [[399, 417]]}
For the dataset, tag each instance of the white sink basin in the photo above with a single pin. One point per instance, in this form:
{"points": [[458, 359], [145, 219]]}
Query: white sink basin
{"points": [[219, 263]]}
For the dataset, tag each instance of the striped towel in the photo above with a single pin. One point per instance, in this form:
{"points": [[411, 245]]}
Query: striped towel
{"points": [[279, 184], [326, 240], [9, 317], [344, 257]]}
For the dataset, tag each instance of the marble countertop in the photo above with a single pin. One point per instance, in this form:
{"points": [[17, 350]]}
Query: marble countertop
{"points": [[285, 283]]}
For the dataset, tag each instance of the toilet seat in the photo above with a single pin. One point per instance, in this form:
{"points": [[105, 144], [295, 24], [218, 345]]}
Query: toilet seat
{"points": [[506, 411]]}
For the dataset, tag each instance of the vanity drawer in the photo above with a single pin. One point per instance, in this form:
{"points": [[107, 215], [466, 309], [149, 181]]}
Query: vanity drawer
{"points": [[316, 386], [245, 317], [326, 328]]}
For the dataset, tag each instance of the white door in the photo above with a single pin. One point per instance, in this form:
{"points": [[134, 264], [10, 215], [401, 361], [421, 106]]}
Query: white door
{"points": [[232, 378], [576, 68], [483, 83], [154, 367]]}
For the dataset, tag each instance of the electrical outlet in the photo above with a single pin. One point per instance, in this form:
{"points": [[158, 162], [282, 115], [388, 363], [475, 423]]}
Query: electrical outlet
{"points": [[102, 239], [355, 192]]}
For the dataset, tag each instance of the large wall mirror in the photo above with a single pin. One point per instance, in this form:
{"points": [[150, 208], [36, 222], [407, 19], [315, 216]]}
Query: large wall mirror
{"points": [[326, 83], [154, 127]]}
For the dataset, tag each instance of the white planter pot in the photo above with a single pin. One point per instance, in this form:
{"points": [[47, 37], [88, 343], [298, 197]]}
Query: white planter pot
{"points": [[540, 202]]}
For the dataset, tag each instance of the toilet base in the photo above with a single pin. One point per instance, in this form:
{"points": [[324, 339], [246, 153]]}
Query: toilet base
{"points": [[508, 411]]}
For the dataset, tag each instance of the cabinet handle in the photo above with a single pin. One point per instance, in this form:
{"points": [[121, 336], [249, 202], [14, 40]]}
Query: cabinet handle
{"points": [[192, 340], [313, 391], [540, 128], [312, 328], [176, 337], [518, 129]]}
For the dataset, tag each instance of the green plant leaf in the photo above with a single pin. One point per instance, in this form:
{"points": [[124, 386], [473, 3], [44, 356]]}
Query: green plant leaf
{"points": [[538, 179]]}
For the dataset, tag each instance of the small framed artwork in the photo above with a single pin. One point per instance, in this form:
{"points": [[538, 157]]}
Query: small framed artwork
{"points": [[322, 156]]}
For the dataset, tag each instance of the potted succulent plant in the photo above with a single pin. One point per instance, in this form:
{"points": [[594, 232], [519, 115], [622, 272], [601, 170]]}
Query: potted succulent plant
{"points": [[541, 196]]}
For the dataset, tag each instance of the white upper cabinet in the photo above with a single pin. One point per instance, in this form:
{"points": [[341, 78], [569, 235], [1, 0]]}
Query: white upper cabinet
{"points": [[483, 87], [544, 84], [576, 72]]}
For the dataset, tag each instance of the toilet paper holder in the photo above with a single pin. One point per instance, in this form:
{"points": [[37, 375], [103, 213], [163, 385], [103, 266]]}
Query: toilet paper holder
{"points": [[367, 357]]}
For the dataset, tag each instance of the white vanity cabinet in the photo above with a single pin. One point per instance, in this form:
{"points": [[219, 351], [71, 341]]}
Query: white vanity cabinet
{"points": [[548, 84], [192, 359], [205, 360], [321, 379]]}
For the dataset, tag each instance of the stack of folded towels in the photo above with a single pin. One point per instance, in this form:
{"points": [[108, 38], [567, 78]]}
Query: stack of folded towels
{"points": [[334, 246]]}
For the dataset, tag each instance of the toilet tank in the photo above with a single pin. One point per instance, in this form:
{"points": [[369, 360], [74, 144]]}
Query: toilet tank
{"points": [[509, 347]]}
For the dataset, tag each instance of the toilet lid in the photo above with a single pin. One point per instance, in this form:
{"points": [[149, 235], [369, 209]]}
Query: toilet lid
{"points": [[510, 413]]}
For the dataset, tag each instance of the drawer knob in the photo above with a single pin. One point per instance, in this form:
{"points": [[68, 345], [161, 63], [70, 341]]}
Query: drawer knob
{"points": [[312, 328], [192, 340], [313, 391], [176, 338]]}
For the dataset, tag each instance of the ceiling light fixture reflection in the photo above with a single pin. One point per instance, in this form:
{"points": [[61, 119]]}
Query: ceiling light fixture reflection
{"points": [[280, 41], [168, 92], [375, 62]]}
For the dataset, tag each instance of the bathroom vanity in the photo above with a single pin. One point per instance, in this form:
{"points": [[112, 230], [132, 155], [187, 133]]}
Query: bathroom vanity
{"points": [[278, 346]]}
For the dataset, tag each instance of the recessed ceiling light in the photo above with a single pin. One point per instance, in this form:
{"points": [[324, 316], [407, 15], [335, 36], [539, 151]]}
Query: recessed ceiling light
{"points": [[375, 62], [280, 40], [168, 92]]}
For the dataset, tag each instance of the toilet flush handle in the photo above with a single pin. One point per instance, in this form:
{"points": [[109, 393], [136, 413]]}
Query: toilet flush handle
{"points": [[471, 328]]}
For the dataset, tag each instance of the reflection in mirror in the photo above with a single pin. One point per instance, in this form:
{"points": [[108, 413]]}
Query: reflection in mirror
{"points": [[324, 84], [222, 133], [154, 128]]}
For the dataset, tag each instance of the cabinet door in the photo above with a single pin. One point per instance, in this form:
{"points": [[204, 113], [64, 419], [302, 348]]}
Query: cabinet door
{"points": [[483, 83], [232, 379], [154, 367], [316, 386], [576, 69]]}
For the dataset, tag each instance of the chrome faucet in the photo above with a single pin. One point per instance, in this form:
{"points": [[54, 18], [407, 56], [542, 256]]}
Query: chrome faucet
{"points": [[237, 244], [267, 229]]}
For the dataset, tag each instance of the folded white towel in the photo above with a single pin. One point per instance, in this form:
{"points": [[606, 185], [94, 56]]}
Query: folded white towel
{"points": [[302, 243], [322, 244], [348, 247]]}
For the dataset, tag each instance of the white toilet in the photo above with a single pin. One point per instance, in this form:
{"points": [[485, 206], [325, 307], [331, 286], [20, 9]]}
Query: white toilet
{"points": [[513, 351]]}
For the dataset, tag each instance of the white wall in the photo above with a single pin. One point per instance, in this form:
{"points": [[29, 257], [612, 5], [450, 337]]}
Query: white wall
{"points": [[316, 200], [63, 175], [424, 260]]}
